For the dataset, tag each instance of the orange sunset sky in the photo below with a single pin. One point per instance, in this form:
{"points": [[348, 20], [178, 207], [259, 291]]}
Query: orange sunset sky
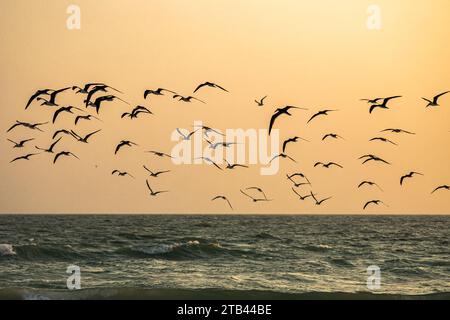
{"points": [[312, 54]]}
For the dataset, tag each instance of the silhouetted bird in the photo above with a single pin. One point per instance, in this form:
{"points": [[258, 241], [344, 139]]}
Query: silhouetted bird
{"points": [[85, 138], [38, 94], [375, 202], [154, 193], [320, 113], [157, 92], [67, 109], [211, 85], [370, 183], [318, 203], [20, 144], [397, 131], [278, 112], [124, 143], [294, 139], [371, 157], [50, 149], [383, 140], [64, 154], [223, 198], [135, 112], [382, 105], [33, 126], [409, 175], [25, 157], [443, 187], [434, 102], [332, 135], [186, 99], [260, 103], [121, 173], [155, 174], [328, 165]]}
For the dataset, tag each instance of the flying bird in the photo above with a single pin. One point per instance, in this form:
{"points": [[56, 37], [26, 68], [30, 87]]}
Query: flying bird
{"points": [[370, 183], [98, 102], [397, 131], [318, 203], [372, 101], [375, 202], [257, 189], [382, 105], [298, 174], [86, 117], [320, 113], [33, 126], [234, 166], [160, 154], [260, 103], [157, 92], [135, 112], [434, 101], [50, 149], [153, 193], [211, 85], [383, 140], [371, 157], [293, 139], [25, 157], [20, 144], [300, 196], [254, 199], [332, 135], [409, 175], [124, 143], [38, 94], [86, 137], [54, 94], [278, 112], [223, 198], [443, 187], [155, 174], [64, 154], [328, 165], [121, 173], [63, 131], [187, 99], [67, 109], [284, 156]]}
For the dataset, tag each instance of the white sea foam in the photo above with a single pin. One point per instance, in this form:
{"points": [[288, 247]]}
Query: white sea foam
{"points": [[7, 250]]}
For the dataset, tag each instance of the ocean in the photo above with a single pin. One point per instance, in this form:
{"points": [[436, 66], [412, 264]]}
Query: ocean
{"points": [[224, 257]]}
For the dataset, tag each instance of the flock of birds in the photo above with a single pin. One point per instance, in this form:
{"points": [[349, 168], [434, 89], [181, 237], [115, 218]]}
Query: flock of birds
{"points": [[97, 94]]}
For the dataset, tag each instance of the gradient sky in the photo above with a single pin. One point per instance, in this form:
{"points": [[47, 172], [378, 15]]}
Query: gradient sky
{"points": [[314, 54]]}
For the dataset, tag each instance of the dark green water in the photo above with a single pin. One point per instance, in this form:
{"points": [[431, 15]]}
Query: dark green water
{"points": [[224, 256]]}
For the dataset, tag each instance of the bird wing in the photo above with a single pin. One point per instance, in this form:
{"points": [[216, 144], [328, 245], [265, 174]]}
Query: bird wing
{"points": [[336, 164], [34, 96], [272, 120], [57, 156], [436, 98], [221, 88], [120, 145], [15, 125], [200, 86], [314, 116], [368, 203], [91, 134], [57, 112]]}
